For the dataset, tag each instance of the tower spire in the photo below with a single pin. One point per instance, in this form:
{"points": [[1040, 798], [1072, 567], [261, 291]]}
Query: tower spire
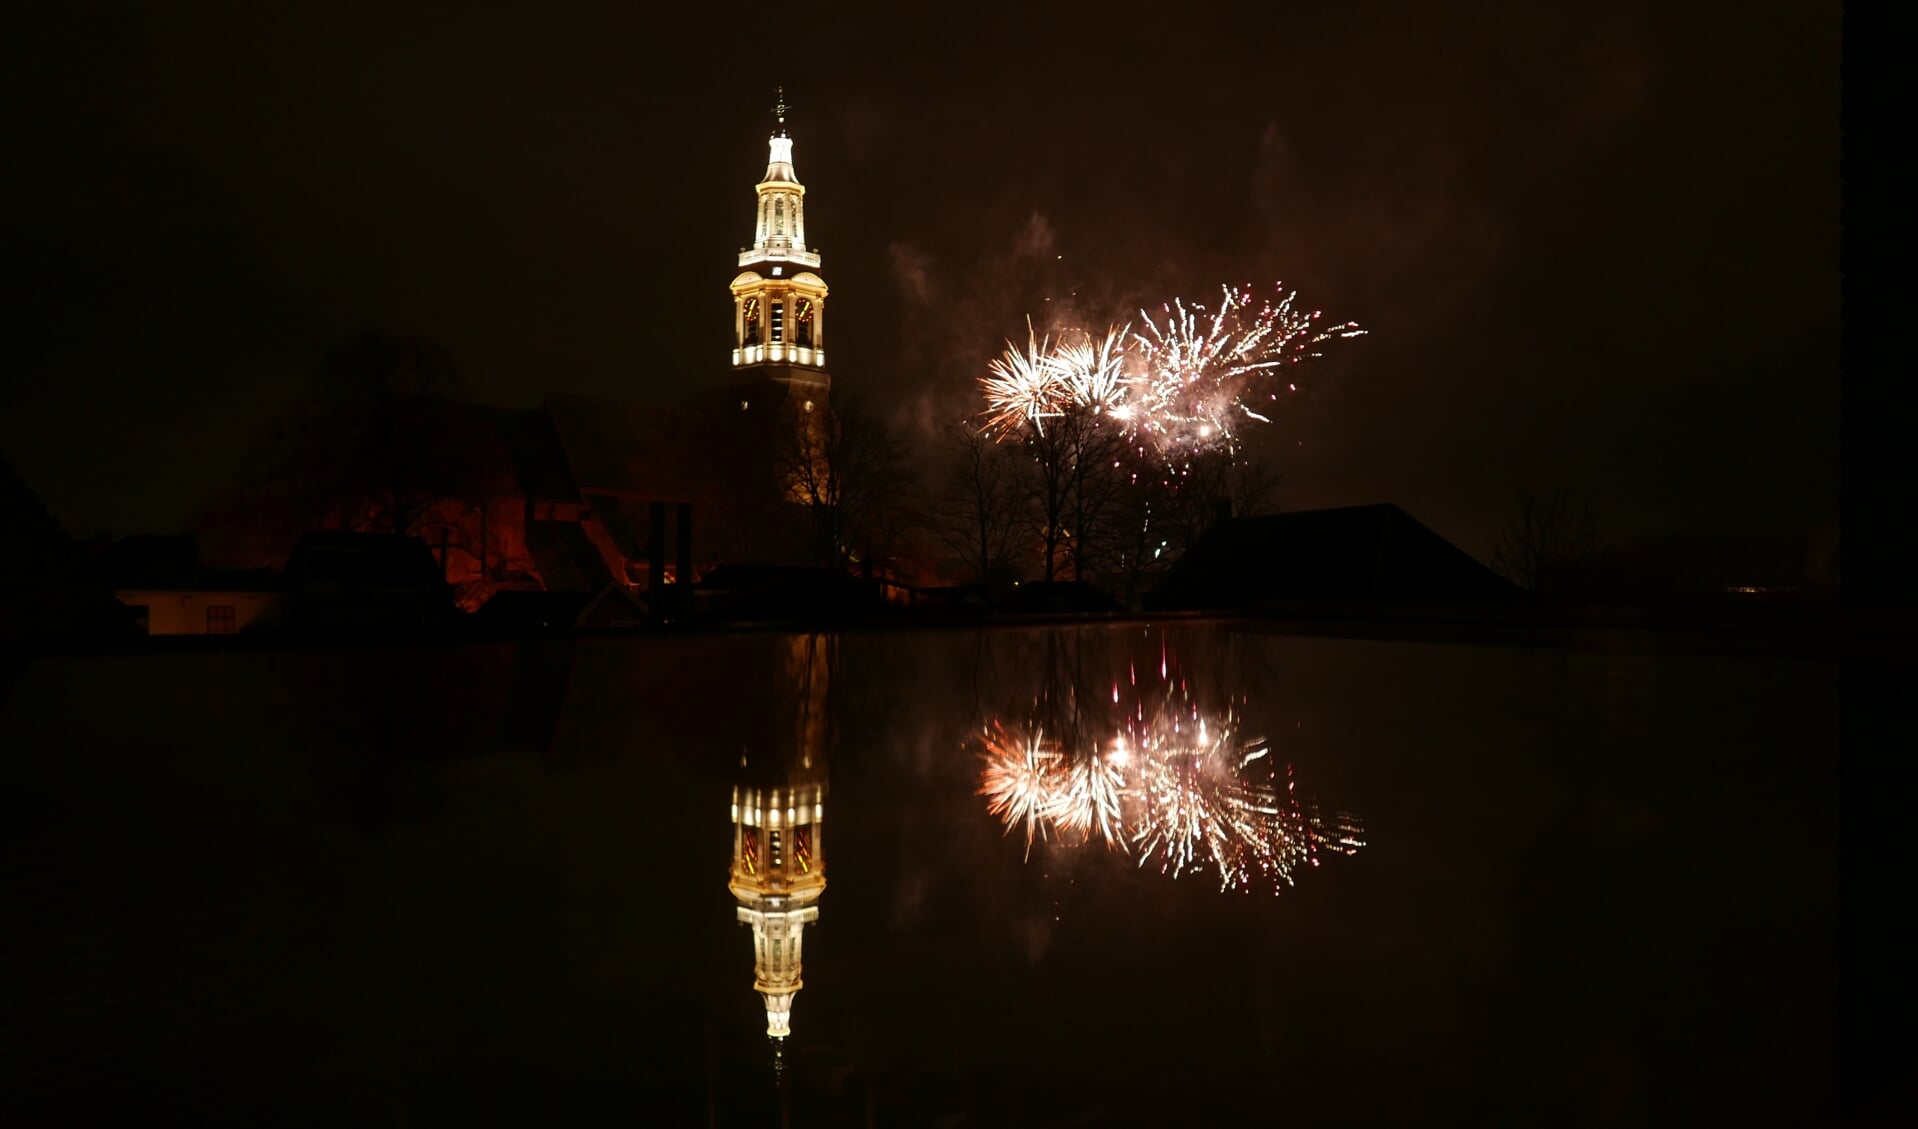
{"points": [[779, 300]]}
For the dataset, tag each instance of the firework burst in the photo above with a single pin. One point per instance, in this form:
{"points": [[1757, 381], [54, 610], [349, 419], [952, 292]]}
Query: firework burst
{"points": [[1200, 372], [1184, 382], [1091, 372], [1022, 387]]}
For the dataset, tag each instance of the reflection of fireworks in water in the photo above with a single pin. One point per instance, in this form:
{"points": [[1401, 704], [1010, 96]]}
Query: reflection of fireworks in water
{"points": [[1088, 799], [1187, 790], [1018, 781], [1181, 384], [1029, 780], [1193, 813]]}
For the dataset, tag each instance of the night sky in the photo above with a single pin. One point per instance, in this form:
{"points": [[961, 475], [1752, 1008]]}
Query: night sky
{"points": [[1596, 245]]}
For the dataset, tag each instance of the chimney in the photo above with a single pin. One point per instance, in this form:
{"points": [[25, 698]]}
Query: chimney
{"points": [[686, 543], [655, 548]]}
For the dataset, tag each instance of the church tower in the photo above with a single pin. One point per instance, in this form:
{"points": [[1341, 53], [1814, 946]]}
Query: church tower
{"points": [[779, 300]]}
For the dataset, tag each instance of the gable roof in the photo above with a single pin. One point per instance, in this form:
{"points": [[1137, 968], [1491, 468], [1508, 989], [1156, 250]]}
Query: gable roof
{"points": [[1375, 553], [567, 558], [539, 460]]}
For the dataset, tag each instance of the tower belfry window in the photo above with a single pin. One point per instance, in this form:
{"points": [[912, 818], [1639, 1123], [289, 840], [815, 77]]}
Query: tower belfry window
{"points": [[779, 217], [778, 321]]}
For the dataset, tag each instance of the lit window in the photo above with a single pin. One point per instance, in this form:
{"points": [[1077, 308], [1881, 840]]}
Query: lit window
{"points": [[220, 619], [777, 271], [809, 405], [742, 405]]}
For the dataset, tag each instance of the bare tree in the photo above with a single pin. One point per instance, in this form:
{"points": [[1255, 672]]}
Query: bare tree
{"points": [[1209, 484], [1070, 487], [382, 403], [1549, 546], [1160, 511], [847, 468], [377, 446], [976, 514]]}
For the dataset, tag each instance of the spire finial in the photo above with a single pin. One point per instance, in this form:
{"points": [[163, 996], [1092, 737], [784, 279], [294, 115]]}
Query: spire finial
{"points": [[780, 108]]}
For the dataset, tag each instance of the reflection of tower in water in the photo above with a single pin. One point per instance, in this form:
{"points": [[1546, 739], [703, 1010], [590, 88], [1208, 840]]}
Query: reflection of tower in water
{"points": [[778, 812]]}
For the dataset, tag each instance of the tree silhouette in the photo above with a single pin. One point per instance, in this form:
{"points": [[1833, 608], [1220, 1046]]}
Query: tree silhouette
{"points": [[977, 512], [1549, 546], [377, 445], [848, 469]]}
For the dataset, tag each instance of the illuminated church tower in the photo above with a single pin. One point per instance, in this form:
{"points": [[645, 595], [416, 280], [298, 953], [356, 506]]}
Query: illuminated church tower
{"points": [[779, 859], [779, 300]]}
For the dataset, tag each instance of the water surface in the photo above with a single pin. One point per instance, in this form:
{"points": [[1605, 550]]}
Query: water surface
{"points": [[452, 885]]}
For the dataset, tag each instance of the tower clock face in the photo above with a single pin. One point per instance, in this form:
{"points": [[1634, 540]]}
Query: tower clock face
{"points": [[802, 319]]}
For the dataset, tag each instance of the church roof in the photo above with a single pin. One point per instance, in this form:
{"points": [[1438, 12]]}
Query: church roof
{"points": [[1375, 553]]}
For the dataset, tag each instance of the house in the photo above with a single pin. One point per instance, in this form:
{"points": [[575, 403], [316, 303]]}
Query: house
{"points": [[1352, 555], [160, 579], [375, 581]]}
